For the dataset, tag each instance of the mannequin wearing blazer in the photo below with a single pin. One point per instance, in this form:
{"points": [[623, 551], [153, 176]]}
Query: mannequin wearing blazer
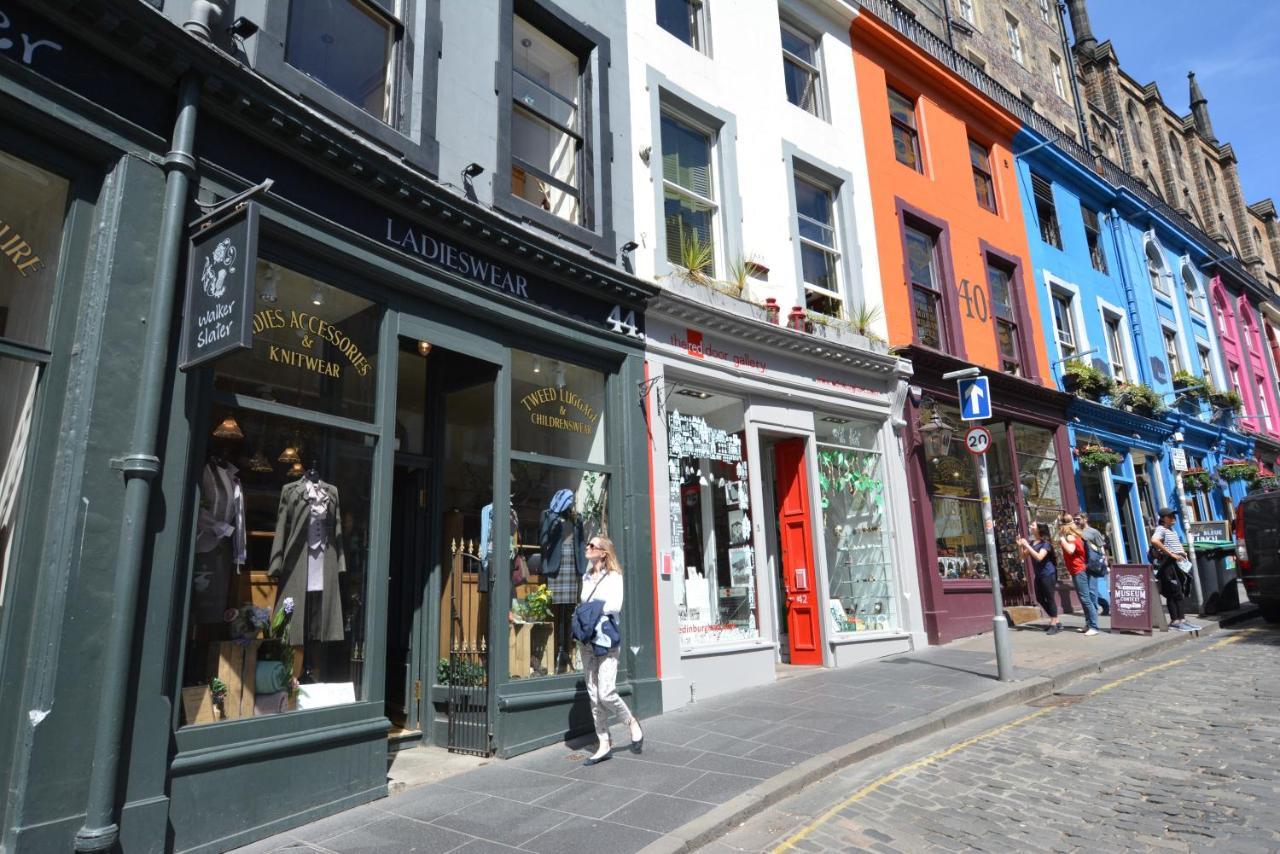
{"points": [[295, 564]]}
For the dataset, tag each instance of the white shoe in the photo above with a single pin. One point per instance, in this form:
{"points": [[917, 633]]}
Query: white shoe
{"points": [[1090, 632]]}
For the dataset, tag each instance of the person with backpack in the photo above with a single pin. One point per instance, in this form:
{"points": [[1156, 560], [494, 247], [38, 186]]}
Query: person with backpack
{"points": [[1169, 556], [1097, 561], [1046, 572], [1075, 558]]}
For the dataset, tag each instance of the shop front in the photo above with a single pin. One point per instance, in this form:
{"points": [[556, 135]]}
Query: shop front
{"points": [[779, 518], [1030, 476]]}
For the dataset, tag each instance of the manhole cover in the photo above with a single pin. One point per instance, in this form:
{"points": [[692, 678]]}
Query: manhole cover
{"points": [[1057, 700]]}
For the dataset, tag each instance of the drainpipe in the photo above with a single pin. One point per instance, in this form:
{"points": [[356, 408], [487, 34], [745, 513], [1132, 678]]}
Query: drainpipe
{"points": [[1130, 298], [1068, 56], [141, 464]]}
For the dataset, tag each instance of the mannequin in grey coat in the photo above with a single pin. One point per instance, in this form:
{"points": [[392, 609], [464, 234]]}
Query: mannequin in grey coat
{"points": [[289, 563]]}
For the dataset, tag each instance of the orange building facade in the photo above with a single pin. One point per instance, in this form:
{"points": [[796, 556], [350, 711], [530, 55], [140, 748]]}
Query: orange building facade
{"points": [[959, 291]]}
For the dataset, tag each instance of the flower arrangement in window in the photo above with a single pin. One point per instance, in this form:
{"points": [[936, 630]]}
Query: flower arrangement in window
{"points": [[1138, 398], [1197, 480], [1085, 380], [1239, 470], [1095, 457]]}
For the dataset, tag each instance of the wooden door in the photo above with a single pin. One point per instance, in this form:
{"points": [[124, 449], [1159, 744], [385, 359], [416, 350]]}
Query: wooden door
{"points": [[795, 526]]}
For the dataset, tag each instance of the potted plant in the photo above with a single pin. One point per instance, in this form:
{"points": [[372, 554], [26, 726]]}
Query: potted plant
{"points": [[275, 655], [1225, 400], [534, 608], [1191, 387], [1138, 398], [1197, 480], [1239, 470], [1085, 380], [1095, 457]]}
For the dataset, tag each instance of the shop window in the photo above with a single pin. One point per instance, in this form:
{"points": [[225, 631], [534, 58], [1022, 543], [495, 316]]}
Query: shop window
{"points": [[546, 125], [980, 160], [314, 346], [18, 381], [1046, 211], [819, 250], [348, 46], [559, 502], [689, 198], [800, 69], [1000, 284], [684, 19], [712, 535], [1093, 236], [906, 139], [1039, 483], [855, 526], [926, 289], [957, 512]]}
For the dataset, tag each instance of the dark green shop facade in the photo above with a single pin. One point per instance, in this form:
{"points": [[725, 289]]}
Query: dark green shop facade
{"points": [[425, 377]]}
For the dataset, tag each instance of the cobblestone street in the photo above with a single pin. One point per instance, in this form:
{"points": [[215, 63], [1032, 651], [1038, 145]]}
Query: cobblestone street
{"points": [[1175, 753]]}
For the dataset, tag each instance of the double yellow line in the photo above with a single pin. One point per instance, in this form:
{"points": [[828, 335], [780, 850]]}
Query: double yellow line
{"points": [[790, 842]]}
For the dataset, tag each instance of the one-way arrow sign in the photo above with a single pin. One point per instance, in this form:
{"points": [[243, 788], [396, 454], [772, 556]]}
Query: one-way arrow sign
{"points": [[975, 398]]}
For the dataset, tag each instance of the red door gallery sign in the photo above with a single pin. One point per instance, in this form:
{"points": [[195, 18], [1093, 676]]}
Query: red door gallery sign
{"points": [[1131, 598]]}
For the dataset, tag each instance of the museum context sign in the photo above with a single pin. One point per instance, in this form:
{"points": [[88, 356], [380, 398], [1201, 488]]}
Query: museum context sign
{"points": [[221, 259]]}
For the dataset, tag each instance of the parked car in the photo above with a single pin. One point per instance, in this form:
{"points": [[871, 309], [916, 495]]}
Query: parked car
{"points": [[1258, 551]]}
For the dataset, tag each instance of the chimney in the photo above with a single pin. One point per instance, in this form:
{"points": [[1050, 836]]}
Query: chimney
{"points": [[1200, 110], [1080, 28]]}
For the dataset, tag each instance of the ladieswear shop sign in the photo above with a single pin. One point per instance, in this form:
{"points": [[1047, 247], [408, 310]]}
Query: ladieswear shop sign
{"points": [[218, 318]]}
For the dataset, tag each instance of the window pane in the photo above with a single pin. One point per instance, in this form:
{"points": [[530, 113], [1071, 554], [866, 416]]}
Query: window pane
{"points": [[686, 221], [557, 408], [802, 85], [1006, 336], [920, 258], [1001, 299], [314, 346], [272, 544], [798, 45], [1038, 466], [553, 548], [978, 156], [550, 150], [17, 406], [957, 532], [33, 203], [541, 60], [686, 157], [927, 320], [814, 203], [679, 17], [902, 109], [543, 101], [818, 267], [855, 529], [712, 535], [344, 46]]}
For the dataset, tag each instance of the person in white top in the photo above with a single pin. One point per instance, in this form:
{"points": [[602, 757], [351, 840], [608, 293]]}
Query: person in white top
{"points": [[603, 582]]}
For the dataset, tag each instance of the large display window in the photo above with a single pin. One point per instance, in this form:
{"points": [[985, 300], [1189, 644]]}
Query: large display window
{"points": [[712, 539], [855, 526], [559, 501], [281, 530]]}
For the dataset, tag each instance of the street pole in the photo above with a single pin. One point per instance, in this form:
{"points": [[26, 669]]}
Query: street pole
{"points": [[1184, 508], [999, 625]]}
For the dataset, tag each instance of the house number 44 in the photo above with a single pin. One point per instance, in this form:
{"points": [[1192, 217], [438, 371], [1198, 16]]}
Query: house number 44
{"points": [[624, 323]]}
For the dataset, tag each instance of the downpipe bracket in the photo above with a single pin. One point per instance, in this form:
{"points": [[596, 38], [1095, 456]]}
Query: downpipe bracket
{"points": [[91, 839], [145, 466]]}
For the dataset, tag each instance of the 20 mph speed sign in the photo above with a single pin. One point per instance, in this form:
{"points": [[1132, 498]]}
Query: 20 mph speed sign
{"points": [[977, 440]]}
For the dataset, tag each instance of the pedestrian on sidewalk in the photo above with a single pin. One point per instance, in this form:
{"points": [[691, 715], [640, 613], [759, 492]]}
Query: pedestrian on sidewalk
{"points": [[1074, 557], [596, 627], [1097, 540], [1045, 572], [1168, 550]]}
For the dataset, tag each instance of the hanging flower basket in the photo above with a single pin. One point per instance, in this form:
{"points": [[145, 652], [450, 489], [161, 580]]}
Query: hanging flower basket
{"points": [[1197, 480], [1239, 470], [1097, 457]]}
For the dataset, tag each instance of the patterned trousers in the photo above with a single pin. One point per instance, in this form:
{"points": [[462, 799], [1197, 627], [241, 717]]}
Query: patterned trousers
{"points": [[602, 688]]}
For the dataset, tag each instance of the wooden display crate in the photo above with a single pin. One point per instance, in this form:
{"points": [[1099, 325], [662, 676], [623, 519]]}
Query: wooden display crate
{"points": [[530, 644]]}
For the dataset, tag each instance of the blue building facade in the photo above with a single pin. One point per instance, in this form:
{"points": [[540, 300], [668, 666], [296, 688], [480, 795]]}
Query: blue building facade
{"points": [[1126, 296]]}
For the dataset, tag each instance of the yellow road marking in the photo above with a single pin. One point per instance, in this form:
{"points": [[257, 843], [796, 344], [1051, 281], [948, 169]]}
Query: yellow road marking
{"points": [[790, 842]]}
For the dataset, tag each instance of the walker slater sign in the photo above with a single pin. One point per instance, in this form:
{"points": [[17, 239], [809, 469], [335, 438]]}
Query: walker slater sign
{"points": [[218, 318]]}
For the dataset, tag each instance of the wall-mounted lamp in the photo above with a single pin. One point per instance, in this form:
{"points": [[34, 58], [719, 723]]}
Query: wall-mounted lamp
{"points": [[472, 170], [242, 28], [936, 434], [629, 247]]}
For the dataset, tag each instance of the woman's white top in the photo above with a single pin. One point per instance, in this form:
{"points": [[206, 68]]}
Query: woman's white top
{"points": [[609, 590]]}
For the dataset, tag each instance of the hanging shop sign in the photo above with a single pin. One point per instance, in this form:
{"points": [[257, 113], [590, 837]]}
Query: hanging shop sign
{"points": [[1211, 530], [1131, 598], [221, 260]]}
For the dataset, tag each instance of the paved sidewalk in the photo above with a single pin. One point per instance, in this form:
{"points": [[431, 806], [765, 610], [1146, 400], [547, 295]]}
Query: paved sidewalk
{"points": [[708, 766]]}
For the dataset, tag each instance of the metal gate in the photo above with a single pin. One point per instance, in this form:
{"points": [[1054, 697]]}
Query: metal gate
{"points": [[467, 665]]}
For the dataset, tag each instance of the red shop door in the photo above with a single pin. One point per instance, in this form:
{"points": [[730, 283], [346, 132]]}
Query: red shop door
{"points": [[796, 566]]}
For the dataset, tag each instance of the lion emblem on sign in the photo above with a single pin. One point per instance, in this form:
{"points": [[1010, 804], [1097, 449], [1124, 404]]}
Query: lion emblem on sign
{"points": [[217, 265]]}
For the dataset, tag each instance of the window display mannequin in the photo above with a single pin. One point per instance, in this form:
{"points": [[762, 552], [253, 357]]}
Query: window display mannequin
{"points": [[220, 537], [486, 543], [307, 556], [564, 560]]}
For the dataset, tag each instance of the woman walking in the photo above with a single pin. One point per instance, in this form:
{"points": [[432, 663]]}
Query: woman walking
{"points": [[1074, 557], [596, 626], [1165, 543], [1046, 572]]}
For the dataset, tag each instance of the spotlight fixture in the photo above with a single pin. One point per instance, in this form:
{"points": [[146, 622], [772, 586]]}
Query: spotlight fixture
{"points": [[472, 170], [242, 28], [317, 295], [228, 429], [831, 419], [424, 347], [693, 392], [270, 281], [558, 373], [629, 247], [537, 365]]}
